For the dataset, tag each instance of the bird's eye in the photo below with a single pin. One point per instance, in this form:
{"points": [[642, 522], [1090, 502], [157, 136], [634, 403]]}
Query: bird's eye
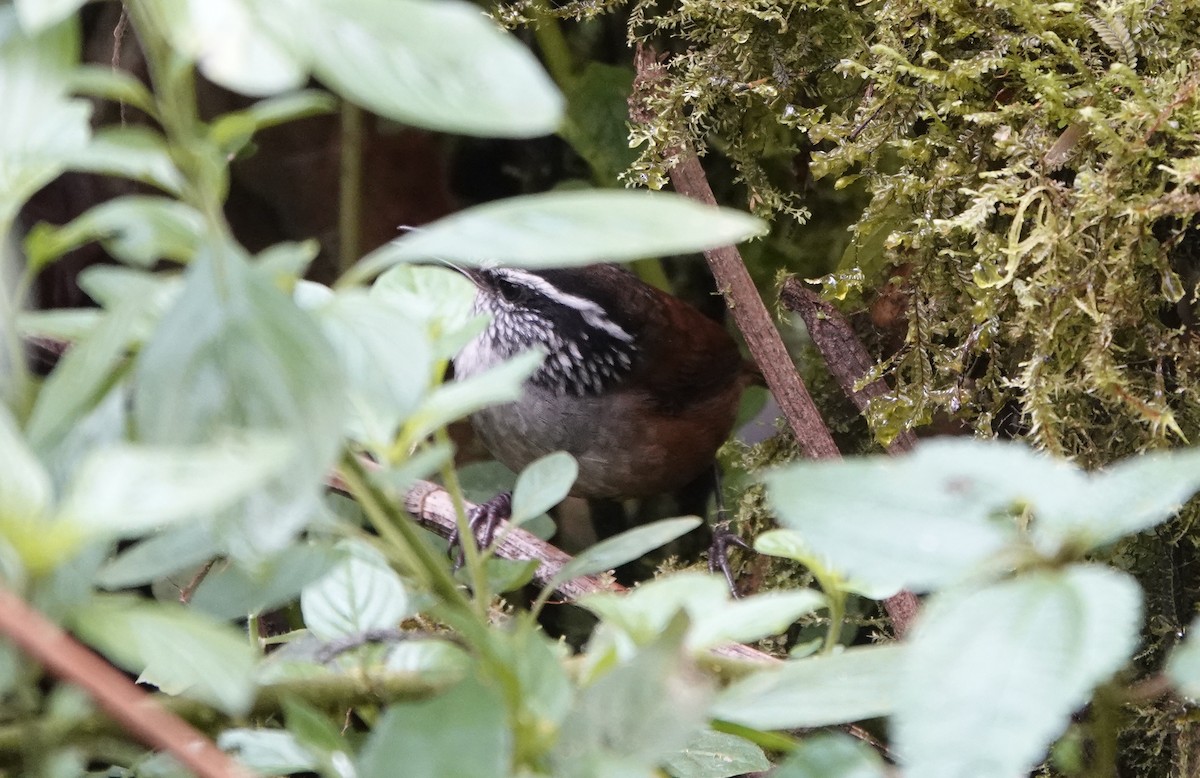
{"points": [[512, 293]]}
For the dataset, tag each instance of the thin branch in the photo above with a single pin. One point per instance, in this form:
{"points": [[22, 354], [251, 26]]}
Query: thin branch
{"points": [[135, 710], [752, 318], [745, 304], [433, 509], [332, 693]]}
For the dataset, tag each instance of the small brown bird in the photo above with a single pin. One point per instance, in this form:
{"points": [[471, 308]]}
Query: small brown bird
{"points": [[640, 387]]}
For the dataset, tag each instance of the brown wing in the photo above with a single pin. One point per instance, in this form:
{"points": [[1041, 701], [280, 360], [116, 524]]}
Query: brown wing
{"points": [[694, 361]]}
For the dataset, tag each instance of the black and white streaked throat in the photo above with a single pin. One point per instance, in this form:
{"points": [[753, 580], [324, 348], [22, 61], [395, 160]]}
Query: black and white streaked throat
{"points": [[587, 351]]}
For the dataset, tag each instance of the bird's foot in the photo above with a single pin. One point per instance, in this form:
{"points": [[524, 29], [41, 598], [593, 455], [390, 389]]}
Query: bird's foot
{"points": [[718, 553], [483, 520]]}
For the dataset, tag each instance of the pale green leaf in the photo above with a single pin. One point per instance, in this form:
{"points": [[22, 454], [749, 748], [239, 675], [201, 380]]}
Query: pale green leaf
{"points": [[858, 683], [129, 488], [42, 126], [234, 353], [386, 358], [543, 484], [1184, 666], [917, 521], [567, 228], [1131, 496], [136, 153], [832, 755], [626, 547], [637, 715], [462, 732], [458, 399], [159, 556], [37, 15], [25, 489], [443, 65], [268, 751], [998, 670], [717, 755], [176, 649], [138, 229], [359, 594]]}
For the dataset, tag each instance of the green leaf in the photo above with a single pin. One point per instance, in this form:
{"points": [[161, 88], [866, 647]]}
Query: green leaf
{"points": [[106, 83], [442, 299], [71, 324], [443, 66], [1184, 666], [159, 556], [597, 124], [717, 755], [37, 15], [386, 358], [268, 751], [832, 755], [25, 489], [361, 593], [234, 353], [458, 399], [637, 715], [1134, 495], [461, 732], [790, 544], [127, 488], [136, 153], [999, 670], [44, 127], [626, 547], [232, 44], [231, 591], [232, 130], [543, 484], [82, 377], [914, 522], [567, 228], [856, 684], [176, 649], [715, 618], [138, 229]]}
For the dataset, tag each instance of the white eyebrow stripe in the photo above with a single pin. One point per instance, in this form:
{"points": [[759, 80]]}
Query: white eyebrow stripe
{"points": [[592, 314]]}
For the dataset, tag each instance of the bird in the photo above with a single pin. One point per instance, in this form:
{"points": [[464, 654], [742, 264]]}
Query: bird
{"points": [[638, 385]]}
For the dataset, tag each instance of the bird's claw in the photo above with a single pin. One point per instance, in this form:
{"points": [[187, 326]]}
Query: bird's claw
{"points": [[483, 520], [718, 552]]}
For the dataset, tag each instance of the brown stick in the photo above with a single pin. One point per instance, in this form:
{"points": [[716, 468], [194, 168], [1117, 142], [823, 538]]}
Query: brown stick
{"points": [[844, 354], [120, 698], [745, 304], [752, 318], [433, 508], [848, 361]]}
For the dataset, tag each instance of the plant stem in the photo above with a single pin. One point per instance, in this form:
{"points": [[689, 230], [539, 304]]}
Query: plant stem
{"points": [[553, 45], [350, 185]]}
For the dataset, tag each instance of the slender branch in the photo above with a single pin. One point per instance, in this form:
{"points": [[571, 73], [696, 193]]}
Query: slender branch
{"points": [[433, 508], [332, 693], [350, 185], [752, 318], [845, 356], [133, 709], [745, 304]]}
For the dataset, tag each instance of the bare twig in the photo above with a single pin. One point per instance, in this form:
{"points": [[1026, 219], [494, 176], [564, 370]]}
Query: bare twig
{"points": [[844, 354], [745, 304], [135, 710], [756, 326], [433, 509]]}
